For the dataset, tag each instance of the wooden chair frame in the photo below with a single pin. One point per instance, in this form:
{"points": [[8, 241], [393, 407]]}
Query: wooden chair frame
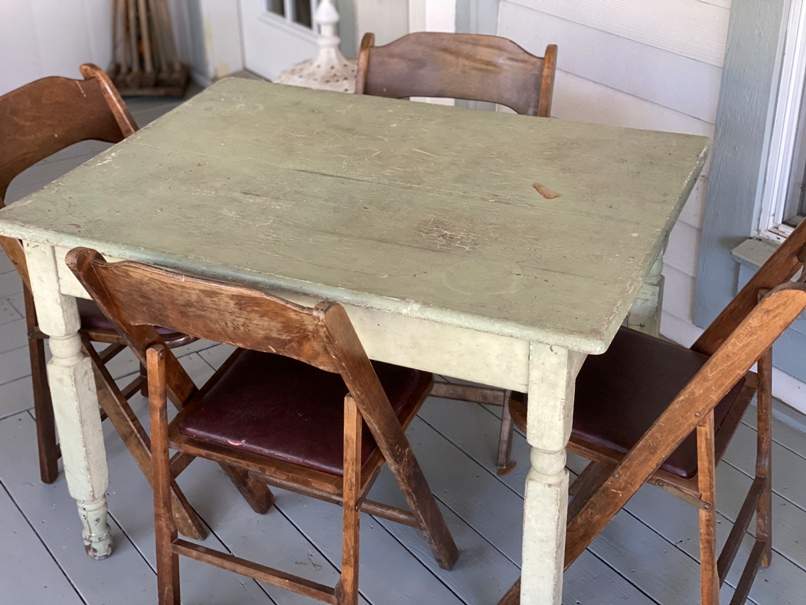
{"points": [[473, 67], [137, 297], [36, 121], [64, 112], [741, 336]]}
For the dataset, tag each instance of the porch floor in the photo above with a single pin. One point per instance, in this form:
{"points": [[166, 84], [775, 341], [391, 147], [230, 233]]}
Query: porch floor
{"points": [[648, 554]]}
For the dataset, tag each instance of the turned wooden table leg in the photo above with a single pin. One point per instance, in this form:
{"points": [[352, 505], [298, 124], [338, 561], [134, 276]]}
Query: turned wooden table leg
{"points": [[75, 403], [552, 373], [645, 313]]}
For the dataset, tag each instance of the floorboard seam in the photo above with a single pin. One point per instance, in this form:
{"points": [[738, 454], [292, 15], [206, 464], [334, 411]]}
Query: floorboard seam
{"points": [[230, 551], [788, 501], [315, 546], [17, 413], [476, 531], [607, 564], [11, 304], [496, 476], [418, 559], [44, 544], [774, 491], [783, 445]]}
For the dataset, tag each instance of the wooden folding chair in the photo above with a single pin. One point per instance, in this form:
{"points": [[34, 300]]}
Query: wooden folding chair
{"points": [[472, 67], [36, 121], [651, 411], [298, 403]]}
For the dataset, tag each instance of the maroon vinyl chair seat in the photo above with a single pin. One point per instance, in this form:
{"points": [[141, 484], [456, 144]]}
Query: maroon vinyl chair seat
{"points": [[280, 408], [620, 393], [92, 318]]}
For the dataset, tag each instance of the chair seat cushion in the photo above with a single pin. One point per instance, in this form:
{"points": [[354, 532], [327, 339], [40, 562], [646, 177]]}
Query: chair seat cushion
{"points": [[620, 393], [281, 408], [92, 318]]}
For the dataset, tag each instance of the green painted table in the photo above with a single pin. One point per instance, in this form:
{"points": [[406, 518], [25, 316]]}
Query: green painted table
{"points": [[485, 246]]}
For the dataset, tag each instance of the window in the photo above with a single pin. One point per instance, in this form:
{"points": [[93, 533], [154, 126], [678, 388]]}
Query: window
{"points": [[295, 11], [783, 201]]}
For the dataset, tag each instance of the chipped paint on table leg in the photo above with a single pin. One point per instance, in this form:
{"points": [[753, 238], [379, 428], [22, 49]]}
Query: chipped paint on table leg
{"points": [[552, 374], [75, 403], [95, 528]]}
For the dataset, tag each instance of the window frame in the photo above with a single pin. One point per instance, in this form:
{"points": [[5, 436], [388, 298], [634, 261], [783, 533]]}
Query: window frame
{"points": [[789, 125]]}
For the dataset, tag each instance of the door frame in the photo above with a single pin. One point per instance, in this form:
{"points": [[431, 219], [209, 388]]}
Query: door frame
{"points": [[298, 42]]}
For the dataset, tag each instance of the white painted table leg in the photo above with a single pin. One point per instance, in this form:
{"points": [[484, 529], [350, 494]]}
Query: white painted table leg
{"points": [[75, 402], [552, 374], [644, 315]]}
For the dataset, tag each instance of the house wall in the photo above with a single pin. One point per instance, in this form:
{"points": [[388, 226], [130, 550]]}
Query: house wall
{"points": [[42, 37]]}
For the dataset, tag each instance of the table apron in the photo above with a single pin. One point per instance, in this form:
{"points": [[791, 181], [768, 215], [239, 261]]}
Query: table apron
{"points": [[448, 350]]}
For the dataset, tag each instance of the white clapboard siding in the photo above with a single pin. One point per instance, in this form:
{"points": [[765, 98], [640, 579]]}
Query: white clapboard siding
{"points": [[40, 38], [676, 288], [683, 247], [693, 210], [577, 98], [689, 27], [722, 3], [679, 330], [659, 76]]}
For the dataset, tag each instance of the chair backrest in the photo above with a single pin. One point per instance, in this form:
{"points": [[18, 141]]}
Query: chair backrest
{"points": [[473, 67], [138, 297], [735, 340], [45, 116]]}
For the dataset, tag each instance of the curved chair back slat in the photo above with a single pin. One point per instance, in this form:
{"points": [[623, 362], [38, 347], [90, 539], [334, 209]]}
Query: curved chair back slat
{"points": [[472, 67]]}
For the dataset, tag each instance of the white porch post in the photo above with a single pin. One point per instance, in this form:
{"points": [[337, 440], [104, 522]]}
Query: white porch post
{"points": [[432, 15]]}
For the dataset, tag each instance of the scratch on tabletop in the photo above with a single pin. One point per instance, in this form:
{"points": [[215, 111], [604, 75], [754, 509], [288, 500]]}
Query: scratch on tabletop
{"points": [[544, 191]]}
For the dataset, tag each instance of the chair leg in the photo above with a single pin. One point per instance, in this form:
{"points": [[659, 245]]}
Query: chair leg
{"points": [[143, 381], [43, 406], [255, 491], [403, 465], [591, 479], [764, 456], [134, 437], [504, 462], [706, 468], [347, 590], [432, 524], [164, 527]]}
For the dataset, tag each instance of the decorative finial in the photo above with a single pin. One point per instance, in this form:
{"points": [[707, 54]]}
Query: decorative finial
{"points": [[330, 70]]}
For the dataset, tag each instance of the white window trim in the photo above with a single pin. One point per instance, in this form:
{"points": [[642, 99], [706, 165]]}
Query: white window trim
{"points": [[785, 127]]}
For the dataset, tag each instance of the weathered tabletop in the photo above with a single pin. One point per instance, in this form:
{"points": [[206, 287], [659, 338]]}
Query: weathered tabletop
{"points": [[533, 228], [481, 245]]}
